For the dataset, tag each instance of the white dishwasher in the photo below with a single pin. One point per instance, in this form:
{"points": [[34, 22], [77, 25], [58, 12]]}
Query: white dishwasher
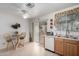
{"points": [[49, 43]]}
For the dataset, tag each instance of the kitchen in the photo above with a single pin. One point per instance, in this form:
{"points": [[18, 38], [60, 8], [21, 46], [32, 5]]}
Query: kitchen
{"points": [[51, 31], [63, 32]]}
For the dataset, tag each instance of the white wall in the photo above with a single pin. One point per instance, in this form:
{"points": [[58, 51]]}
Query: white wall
{"points": [[47, 19], [6, 20]]}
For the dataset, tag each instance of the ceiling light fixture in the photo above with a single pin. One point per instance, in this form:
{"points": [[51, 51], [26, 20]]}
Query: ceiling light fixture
{"points": [[25, 16]]}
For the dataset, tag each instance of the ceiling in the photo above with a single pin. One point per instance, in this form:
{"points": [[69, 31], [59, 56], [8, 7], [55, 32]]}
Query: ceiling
{"points": [[40, 9]]}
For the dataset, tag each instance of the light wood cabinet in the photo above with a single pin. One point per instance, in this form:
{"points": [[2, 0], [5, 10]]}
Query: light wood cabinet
{"points": [[66, 46], [70, 48], [66, 50], [73, 50], [59, 46]]}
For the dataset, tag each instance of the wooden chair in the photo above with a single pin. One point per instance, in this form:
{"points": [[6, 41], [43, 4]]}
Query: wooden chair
{"points": [[22, 37], [8, 40]]}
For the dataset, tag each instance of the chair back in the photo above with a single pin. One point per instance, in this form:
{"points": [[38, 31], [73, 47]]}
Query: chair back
{"points": [[23, 35], [7, 37]]}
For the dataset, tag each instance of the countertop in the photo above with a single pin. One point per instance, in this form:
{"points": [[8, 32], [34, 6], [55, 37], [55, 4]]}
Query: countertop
{"points": [[67, 38]]}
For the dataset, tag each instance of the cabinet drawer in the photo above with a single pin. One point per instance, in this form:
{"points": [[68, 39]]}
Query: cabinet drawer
{"points": [[66, 41], [71, 41]]}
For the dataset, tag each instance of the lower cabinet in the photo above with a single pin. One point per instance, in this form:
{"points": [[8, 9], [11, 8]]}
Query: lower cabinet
{"points": [[73, 50], [66, 50], [66, 47], [70, 49], [59, 46]]}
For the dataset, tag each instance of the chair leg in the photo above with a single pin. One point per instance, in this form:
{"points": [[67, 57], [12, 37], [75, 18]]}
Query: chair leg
{"points": [[13, 45], [17, 44], [7, 46], [22, 43]]}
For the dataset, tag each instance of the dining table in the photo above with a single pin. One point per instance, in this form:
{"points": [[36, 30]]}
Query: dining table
{"points": [[16, 40]]}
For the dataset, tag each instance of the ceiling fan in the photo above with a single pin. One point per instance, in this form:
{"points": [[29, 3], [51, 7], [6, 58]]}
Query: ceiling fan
{"points": [[30, 5]]}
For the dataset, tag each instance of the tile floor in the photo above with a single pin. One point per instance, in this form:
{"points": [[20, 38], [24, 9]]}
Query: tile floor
{"points": [[30, 49]]}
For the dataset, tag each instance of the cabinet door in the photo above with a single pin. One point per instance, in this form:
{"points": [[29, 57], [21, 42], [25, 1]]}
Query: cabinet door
{"points": [[70, 49], [73, 50], [59, 46], [66, 49]]}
